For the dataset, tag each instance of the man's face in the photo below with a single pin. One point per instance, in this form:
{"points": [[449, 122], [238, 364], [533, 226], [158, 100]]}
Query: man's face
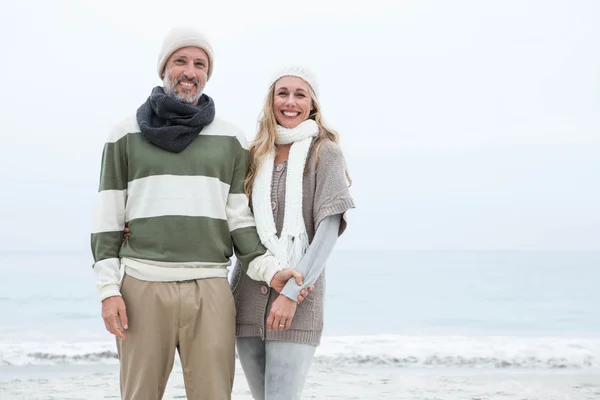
{"points": [[185, 74]]}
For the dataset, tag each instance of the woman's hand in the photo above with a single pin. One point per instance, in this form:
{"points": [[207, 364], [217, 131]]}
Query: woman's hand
{"points": [[281, 315]]}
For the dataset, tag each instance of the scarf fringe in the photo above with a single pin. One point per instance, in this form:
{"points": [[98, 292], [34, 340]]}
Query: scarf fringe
{"points": [[291, 249]]}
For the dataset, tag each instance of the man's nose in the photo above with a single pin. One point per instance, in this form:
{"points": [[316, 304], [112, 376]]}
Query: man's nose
{"points": [[189, 72]]}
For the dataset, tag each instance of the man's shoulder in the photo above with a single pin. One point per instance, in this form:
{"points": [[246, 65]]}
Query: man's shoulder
{"points": [[223, 127], [122, 127]]}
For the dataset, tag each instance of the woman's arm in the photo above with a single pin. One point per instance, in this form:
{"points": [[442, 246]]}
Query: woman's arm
{"points": [[312, 264]]}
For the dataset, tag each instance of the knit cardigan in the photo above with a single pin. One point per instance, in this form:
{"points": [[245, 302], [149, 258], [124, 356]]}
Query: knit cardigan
{"points": [[325, 193]]}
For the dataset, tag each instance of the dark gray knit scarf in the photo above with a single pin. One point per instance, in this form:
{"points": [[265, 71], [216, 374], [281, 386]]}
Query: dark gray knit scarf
{"points": [[170, 124]]}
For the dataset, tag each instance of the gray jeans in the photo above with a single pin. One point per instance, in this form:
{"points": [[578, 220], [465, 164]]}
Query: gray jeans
{"points": [[274, 370]]}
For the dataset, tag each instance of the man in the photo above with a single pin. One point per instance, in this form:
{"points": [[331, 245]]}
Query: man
{"points": [[174, 173]]}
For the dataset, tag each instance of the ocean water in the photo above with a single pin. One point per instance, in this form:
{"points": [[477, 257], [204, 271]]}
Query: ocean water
{"points": [[449, 309], [436, 313]]}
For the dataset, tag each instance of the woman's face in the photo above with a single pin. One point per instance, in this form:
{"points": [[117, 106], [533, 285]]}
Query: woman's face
{"points": [[292, 102]]}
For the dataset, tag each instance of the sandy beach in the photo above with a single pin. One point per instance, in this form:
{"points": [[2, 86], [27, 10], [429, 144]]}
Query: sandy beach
{"points": [[101, 382]]}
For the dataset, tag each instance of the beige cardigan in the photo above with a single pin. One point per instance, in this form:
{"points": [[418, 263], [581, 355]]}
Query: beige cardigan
{"points": [[325, 193]]}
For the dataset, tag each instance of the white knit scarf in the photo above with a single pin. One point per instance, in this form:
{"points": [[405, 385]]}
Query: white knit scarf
{"points": [[292, 243]]}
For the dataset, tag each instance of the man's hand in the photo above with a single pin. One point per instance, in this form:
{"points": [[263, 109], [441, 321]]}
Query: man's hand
{"points": [[282, 277], [113, 312], [281, 315], [126, 234]]}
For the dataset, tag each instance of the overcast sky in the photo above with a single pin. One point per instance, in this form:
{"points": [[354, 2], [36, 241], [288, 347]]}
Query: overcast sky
{"points": [[465, 124]]}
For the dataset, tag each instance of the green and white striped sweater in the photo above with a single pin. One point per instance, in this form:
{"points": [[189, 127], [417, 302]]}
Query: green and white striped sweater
{"points": [[187, 211]]}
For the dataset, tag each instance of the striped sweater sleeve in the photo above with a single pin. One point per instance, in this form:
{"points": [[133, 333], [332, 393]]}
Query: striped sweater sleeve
{"points": [[109, 216], [247, 246]]}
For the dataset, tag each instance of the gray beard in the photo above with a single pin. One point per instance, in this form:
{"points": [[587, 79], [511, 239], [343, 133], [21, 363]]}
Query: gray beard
{"points": [[170, 91]]}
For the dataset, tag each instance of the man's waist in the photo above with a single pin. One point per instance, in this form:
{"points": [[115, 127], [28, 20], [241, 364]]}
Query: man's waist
{"points": [[160, 271]]}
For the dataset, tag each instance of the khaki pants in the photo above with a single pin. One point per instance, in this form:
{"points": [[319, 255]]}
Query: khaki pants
{"points": [[196, 318]]}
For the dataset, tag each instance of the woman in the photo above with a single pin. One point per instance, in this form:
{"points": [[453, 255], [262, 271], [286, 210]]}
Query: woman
{"points": [[298, 186]]}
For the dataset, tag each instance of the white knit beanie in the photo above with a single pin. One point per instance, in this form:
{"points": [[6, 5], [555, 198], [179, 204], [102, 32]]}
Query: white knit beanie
{"points": [[180, 37], [298, 71]]}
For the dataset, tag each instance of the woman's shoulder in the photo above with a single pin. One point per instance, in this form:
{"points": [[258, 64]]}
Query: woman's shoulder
{"points": [[329, 152]]}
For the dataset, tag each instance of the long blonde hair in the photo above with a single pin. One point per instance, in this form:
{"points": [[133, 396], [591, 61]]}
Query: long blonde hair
{"points": [[264, 143]]}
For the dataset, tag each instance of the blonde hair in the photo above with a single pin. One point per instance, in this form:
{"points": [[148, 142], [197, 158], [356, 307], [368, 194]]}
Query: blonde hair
{"points": [[264, 143]]}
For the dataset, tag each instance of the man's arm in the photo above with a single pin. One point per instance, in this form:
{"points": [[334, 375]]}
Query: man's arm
{"points": [[109, 216], [256, 260]]}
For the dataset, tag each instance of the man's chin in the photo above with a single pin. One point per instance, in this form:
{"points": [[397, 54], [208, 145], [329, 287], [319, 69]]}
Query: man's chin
{"points": [[187, 99]]}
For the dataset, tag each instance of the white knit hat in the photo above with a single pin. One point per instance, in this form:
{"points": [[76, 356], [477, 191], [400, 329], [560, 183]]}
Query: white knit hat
{"points": [[298, 71], [180, 37]]}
